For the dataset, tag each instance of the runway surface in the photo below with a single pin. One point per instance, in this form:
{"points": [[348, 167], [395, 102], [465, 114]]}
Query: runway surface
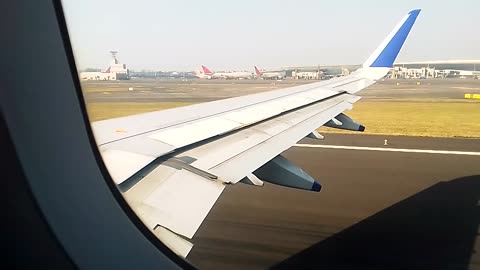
{"points": [[457, 144], [377, 210], [450, 88], [194, 91]]}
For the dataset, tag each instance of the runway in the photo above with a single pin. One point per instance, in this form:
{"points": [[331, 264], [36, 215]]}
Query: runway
{"points": [[449, 144], [437, 89], [191, 91], [194, 91], [377, 210]]}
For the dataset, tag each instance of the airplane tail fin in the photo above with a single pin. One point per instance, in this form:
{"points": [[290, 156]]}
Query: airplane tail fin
{"points": [[258, 72], [206, 70], [386, 53], [197, 72]]}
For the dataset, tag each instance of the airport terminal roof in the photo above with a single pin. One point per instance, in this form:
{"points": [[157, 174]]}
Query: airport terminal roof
{"points": [[444, 64], [438, 64]]}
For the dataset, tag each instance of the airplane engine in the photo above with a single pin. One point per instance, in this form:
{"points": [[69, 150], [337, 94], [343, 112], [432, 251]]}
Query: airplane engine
{"points": [[281, 171], [342, 121]]}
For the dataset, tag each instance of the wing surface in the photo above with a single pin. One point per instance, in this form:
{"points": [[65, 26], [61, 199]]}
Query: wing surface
{"points": [[172, 165]]}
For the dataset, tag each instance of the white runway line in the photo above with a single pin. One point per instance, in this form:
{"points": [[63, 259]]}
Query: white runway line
{"points": [[389, 149]]}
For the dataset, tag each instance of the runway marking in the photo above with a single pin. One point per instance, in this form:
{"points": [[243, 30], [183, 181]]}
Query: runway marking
{"points": [[445, 152]]}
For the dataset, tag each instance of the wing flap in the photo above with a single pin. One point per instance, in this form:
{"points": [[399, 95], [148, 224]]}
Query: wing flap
{"points": [[121, 164], [173, 241], [176, 199]]}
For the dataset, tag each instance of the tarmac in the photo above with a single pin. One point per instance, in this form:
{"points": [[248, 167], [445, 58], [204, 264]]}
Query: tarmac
{"points": [[194, 91], [174, 90], [376, 210], [450, 88]]}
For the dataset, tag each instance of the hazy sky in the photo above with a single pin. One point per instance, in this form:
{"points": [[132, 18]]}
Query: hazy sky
{"points": [[227, 35]]}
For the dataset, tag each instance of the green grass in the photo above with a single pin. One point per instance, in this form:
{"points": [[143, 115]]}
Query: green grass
{"points": [[409, 118], [102, 111], [95, 88], [431, 119]]}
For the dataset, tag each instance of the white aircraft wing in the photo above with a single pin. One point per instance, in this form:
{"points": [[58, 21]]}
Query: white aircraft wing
{"points": [[172, 165]]}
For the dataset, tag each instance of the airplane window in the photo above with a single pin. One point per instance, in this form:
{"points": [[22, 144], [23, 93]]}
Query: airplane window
{"points": [[266, 135]]}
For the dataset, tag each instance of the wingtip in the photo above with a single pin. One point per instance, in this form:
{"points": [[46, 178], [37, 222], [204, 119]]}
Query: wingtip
{"points": [[388, 50], [415, 11]]}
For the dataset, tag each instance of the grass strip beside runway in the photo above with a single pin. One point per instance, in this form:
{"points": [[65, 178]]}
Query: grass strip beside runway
{"points": [[102, 111], [430, 119]]}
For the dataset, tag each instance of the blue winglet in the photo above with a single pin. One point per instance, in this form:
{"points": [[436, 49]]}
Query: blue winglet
{"points": [[389, 53]]}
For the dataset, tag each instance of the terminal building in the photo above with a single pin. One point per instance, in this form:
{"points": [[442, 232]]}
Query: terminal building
{"points": [[436, 69], [407, 70], [307, 75], [115, 71], [318, 72]]}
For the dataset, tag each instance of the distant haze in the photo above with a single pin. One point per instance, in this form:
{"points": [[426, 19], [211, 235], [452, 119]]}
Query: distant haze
{"points": [[235, 35]]}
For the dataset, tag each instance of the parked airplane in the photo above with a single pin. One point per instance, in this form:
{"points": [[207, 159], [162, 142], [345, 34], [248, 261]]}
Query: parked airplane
{"points": [[226, 75], [202, 75], [268, 75]]}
